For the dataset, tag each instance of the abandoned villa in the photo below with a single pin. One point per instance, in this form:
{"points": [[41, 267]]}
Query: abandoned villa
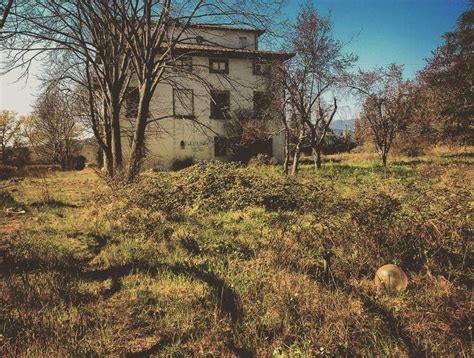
{"points": [[218, 71]]}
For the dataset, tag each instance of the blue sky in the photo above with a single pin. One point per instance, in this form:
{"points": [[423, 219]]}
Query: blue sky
{"points": [[388, 31], [381, 32]]}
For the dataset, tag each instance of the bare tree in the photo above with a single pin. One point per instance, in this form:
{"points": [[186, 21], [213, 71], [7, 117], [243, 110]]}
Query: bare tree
{"points": [[155, 32], [87, 49], [52, 129], [387, 107], [5, 11], [9, 130], [121, 44], [318, 68]]}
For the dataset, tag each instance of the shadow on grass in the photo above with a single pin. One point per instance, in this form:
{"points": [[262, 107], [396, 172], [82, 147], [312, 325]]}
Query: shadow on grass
{"points": [[411, 163], [156, 348], [99, 242], [467, 155], [397, 169], [395, 327], [224, 295], [52, 203]]}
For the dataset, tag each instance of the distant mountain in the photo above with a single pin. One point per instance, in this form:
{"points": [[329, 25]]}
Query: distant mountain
{"points": [[339, 125]]}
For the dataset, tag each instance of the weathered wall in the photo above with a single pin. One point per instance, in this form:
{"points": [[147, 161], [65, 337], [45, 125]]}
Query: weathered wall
{"points": [[164, 136], [226, 38]]}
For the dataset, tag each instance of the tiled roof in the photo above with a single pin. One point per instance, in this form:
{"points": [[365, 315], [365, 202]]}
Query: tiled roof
{"points": [[238, 52], [226, 27]]}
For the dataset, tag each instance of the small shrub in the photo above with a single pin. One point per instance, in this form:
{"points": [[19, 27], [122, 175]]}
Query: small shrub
{"points": [[7, 171], [7, 200], [78, 162], [179, 164], [262, 160]]}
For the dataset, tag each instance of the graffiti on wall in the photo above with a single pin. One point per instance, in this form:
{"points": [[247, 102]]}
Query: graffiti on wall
{"points": [[199, 145]]}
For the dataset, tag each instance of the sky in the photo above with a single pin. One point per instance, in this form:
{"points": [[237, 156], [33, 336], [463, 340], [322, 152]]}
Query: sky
{"points": [[380, 32]]}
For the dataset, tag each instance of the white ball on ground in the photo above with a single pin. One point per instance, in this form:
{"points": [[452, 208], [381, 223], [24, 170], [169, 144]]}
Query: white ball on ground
{"points": [[391, 278]]}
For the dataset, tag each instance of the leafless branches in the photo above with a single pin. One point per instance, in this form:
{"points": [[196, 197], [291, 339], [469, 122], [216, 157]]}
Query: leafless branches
{"points": [[388, 103], [318, 68], [105, 48]]}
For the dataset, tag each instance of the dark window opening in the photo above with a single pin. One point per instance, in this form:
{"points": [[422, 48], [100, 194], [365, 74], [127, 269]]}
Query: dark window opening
{"points": [[219, 65], [260, 104], [199, 39], [220, 104], [261, 68], [183, 103], [184, 64], [182, 145], [131, 102], [220, 147]]}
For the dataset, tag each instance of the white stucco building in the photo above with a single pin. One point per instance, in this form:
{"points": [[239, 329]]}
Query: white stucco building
{"points": [[218, 70]]}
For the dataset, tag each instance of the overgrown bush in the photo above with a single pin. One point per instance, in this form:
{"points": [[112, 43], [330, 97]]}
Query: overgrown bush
{"points": [[215, 187]]}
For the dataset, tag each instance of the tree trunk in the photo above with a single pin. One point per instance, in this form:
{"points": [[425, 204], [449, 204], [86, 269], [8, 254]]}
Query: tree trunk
{"points": [[100, 157], [138, 143], [108, 158], [286, 164], [384, 159], [296, 157], [116, 135], [314, 149], [108, 163], [4, 154], [317, 158]]}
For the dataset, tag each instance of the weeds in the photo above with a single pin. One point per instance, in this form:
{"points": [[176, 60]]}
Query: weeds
{"points": [[225, 260]]}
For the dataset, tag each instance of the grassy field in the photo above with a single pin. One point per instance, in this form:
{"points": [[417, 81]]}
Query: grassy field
{"points": [[222, 260]]}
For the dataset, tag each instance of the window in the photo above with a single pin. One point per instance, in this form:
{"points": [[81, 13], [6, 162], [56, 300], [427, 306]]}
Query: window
{"points": [[243, 42], [184, 64], [199, 39], [131, 102], [218, 65], [260, 104], [220, 104], [220, 147], [183, 103], [261, 68], [182, 145]]}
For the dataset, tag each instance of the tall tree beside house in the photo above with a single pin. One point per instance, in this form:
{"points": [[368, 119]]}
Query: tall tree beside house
{"points": [[154, 31], [90, 51], [113, 41], [250, 131], [9, 131], [388, 103], [316, 71]]}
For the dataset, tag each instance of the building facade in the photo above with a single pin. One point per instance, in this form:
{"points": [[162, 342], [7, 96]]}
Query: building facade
{"points": [[217, 72]]}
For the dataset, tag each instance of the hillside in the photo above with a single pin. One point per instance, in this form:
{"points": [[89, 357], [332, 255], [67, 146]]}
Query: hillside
{"points": [[339, 125]]}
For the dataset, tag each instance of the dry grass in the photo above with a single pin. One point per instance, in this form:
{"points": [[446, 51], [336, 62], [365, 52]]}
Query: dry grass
{"points": [[219, 260]]}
